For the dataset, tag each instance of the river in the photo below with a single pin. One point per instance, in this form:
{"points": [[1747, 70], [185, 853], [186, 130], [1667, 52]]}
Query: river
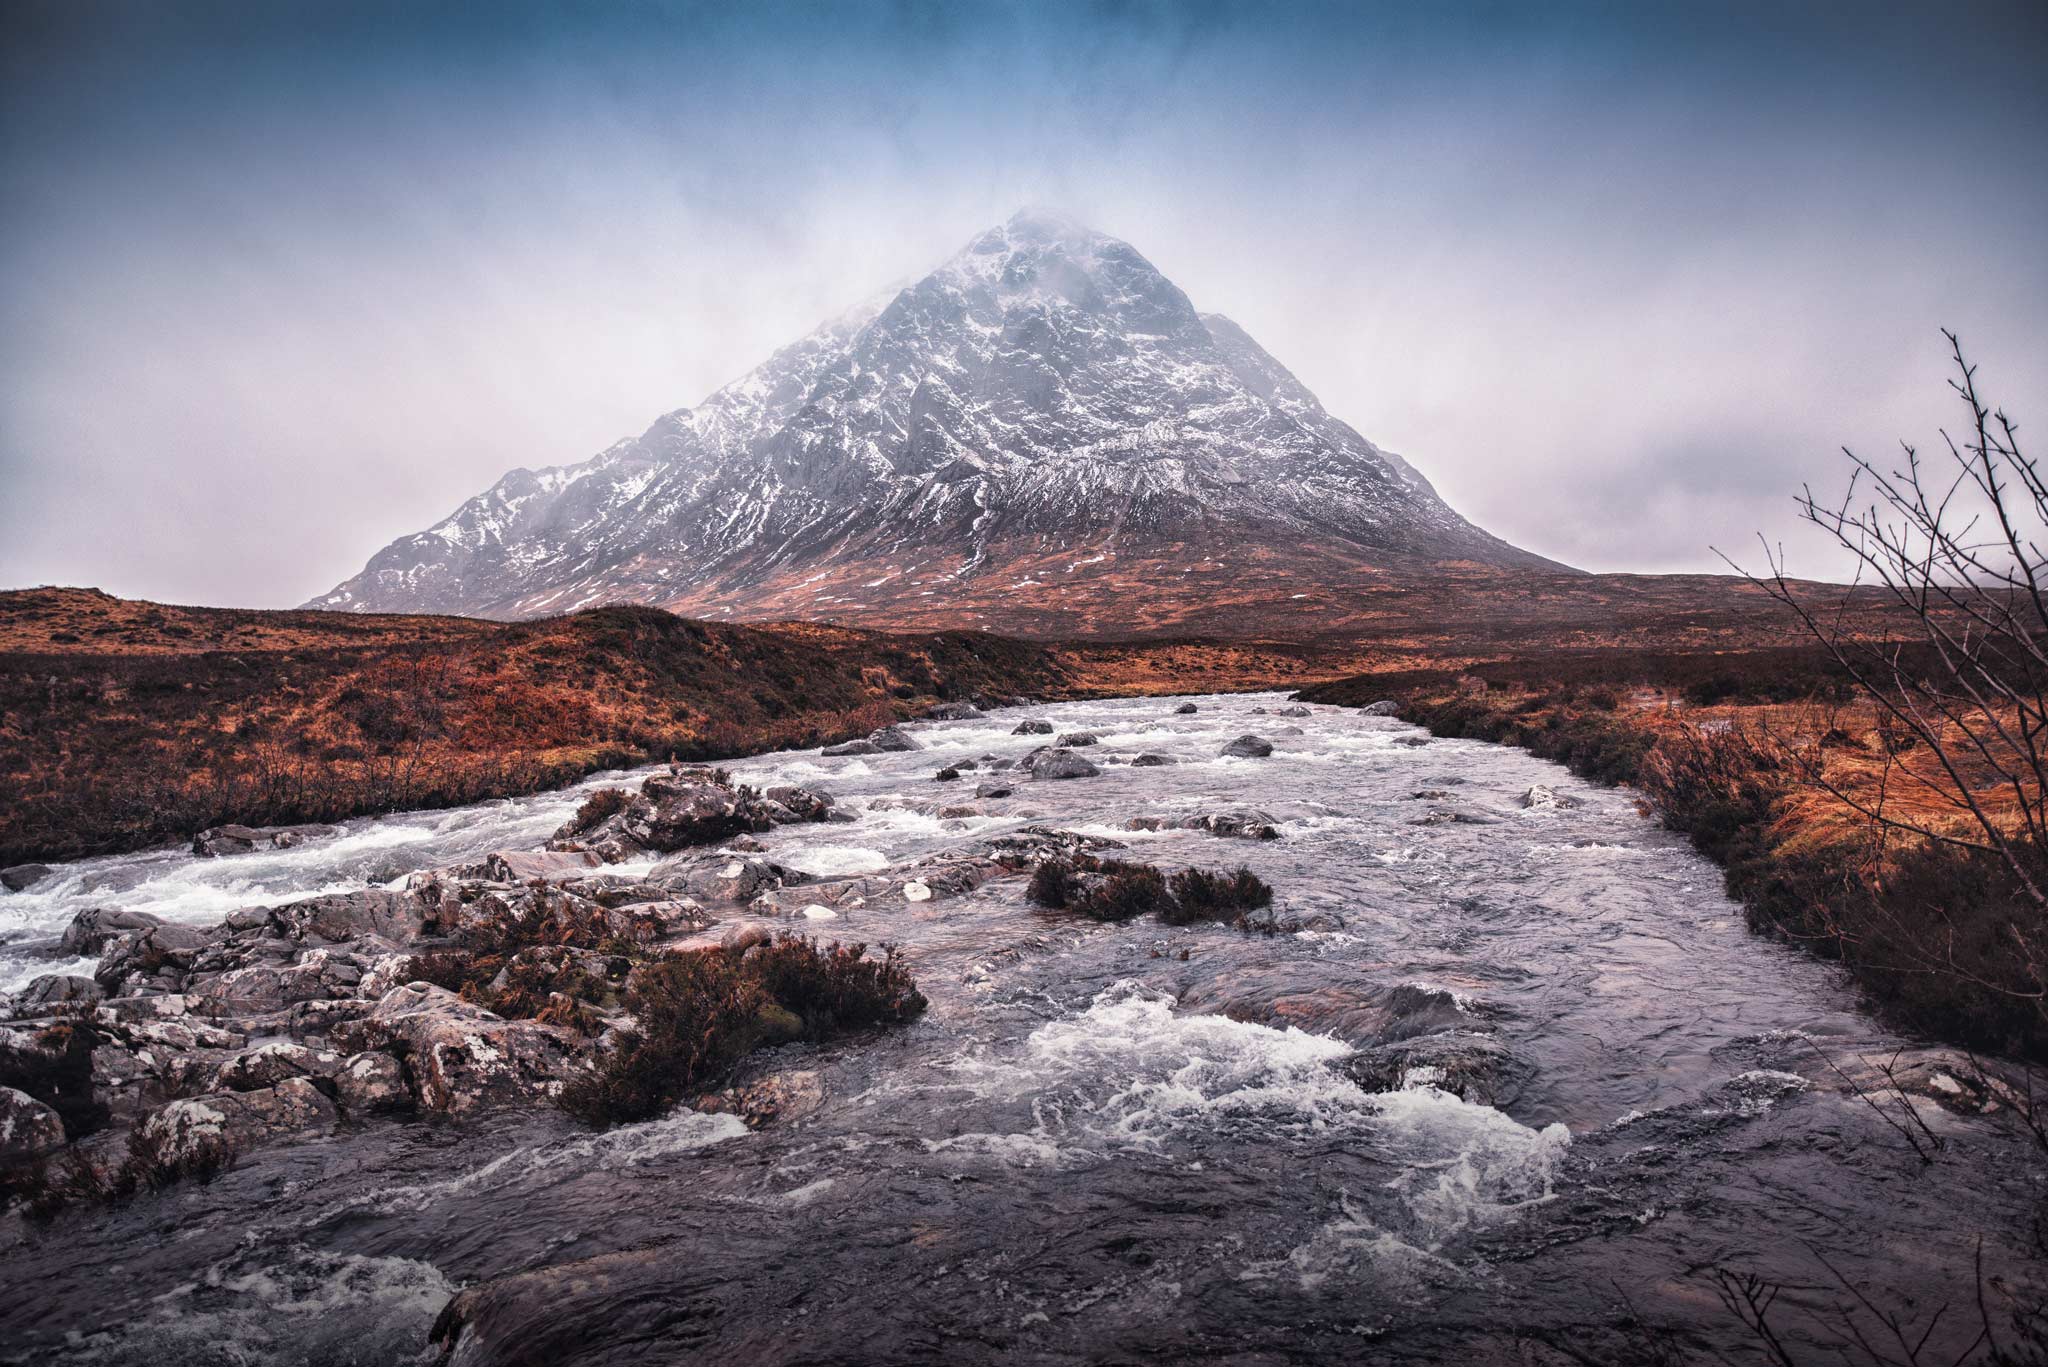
{"points": [[1126, 1143]]}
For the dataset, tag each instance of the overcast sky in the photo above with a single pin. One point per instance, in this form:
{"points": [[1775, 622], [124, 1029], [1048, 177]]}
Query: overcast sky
{"points": [[282, 281]]}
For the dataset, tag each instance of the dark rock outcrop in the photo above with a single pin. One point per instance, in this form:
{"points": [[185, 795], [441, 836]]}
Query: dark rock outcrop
{"points": [[1249, 747]]}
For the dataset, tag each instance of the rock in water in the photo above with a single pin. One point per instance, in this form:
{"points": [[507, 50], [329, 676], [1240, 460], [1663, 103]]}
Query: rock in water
{"points": [[1032, 727], [1249, 747], [1186, 709], [21, 877], [1057, 763], [1385, 707], [1543, 796]]}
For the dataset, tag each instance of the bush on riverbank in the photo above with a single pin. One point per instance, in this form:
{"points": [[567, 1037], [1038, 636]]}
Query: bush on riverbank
{"points": [[698, 1013]]}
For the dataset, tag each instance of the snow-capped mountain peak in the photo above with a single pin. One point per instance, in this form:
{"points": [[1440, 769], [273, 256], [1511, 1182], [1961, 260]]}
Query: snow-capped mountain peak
{"points": [[1045, 392]]}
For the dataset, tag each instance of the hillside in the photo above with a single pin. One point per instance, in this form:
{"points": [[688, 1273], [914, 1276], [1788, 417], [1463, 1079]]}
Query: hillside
{"points": [[124, 724]]}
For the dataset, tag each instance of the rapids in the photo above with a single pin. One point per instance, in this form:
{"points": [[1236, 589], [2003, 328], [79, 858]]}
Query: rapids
{"points": [[1113, 1142]]}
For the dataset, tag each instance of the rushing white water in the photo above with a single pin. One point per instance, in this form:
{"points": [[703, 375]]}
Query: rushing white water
{"points": [[1503, 1063]]}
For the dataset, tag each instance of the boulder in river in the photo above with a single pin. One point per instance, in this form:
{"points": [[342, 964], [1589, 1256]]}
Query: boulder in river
{"points": [[1186, 709], [1077, 739], [463, 1057], [1032, 727], [1385, 707], [20, 877], [1054, 762], [59, 989], [1249, 747], [1152, 761], [1542, 796], [184, 1131], [216, 841], [993, 788], [953, 711], [851, 747], [892, 739], [949, 774]]}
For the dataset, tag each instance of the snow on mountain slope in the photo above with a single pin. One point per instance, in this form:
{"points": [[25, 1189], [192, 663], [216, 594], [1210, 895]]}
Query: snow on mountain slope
{"points": [[1046, 398]]}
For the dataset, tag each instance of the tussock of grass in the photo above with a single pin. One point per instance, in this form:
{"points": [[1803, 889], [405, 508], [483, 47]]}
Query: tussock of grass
{"points": [[698, 1013]]}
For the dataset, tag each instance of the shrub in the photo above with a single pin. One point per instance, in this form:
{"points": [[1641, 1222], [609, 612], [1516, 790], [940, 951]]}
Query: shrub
{"points": [[700, 1012], [1211, 895], [603, 803]]}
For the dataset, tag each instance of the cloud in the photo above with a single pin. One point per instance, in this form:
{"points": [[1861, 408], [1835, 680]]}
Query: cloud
{"points": [[286, 281]]}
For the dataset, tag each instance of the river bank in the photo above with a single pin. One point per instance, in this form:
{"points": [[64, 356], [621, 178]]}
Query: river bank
{"points": [[1726, 751]]}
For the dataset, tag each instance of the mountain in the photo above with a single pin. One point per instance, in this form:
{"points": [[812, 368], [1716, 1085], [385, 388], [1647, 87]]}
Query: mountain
{"points": [[1043, 435]]}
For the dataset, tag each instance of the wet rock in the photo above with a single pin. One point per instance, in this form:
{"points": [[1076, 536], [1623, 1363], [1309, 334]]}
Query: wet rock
{"points": [[1186, 709], [161, 952], [269, 1064], [893, 739], [184, 1130], [217, 841], [1033, 843], [1446, 817], [780, 1098], [676, 811], [1149, 760], [372, 1082], [1429, 794], [1296, 711], [1056, 763], [965, 765], [1475, 1066], [93, 929], [953, 711], [1249, 747], [462, 1057], [1542, 796], [802, 804], [339, 918], [1032, 727], [1240, 825], [947, 775], [20, 877], [517, 866], [1385, 707], [1412, 742], [1077, 739], [28, 1129], [1249, 824], [851, 747], [736, 880], [993, 789], [58, 989], [959, 810]]}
